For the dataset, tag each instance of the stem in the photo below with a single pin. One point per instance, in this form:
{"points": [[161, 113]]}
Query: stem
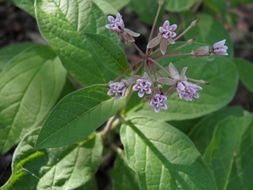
{"points": [[193, 23], [128, 69], [138, 68], [154, 70], [172, 55], [158, 65], [108, 126], [160, 4], [142, 54], [170, 91]]}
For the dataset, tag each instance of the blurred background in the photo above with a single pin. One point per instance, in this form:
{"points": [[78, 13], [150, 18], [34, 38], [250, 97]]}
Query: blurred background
{"points": [[235, 15]]}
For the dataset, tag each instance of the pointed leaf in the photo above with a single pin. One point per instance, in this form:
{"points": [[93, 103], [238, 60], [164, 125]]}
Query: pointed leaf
{"points": [[225, 142], [84, 32], [163, 157], [29, 86], [67, 167], [77, 115]]}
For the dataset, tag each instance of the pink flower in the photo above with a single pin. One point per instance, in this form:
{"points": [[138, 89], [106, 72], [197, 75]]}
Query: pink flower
{"points": [[116, 23], [143, 87], [117, 89], [167, 30], [219, 48], [187, 90], [158, 102]]}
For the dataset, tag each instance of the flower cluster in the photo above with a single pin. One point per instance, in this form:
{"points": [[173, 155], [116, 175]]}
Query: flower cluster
{"points": [[151, 80]]}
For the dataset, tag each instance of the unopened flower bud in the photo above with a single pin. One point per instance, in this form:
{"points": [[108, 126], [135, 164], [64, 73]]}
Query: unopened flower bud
{"points": [[201, 51]]}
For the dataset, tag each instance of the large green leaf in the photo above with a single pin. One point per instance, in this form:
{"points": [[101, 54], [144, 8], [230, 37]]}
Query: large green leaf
{"points": [[245, 69], [122, 176], [145, 9], [222, 75], [76, 31], [219, 154], [77, 115], [26, 5], [209, 31], [242, 172], [9, 52], [118, 4], [67, 167], [29, 86], [179, 5], [106, 7], [163, 157], [202, 133]]}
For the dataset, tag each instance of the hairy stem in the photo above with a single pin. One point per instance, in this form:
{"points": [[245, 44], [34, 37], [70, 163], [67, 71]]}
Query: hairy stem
{"points": [[172, 55]]}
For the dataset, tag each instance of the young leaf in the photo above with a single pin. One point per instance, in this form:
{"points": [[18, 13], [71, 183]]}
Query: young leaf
{"points": [[67, 167], [9, 52], [222, 76], [77, 115], [225, 142], [209, 31], [177, 6], [74, 33], [29, 86], [245, 69], [202, 133], [122, 176], [242, 172], [163, 157]]}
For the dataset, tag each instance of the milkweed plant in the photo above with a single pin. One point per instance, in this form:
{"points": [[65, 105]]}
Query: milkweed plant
{"points": [[96, 108]]}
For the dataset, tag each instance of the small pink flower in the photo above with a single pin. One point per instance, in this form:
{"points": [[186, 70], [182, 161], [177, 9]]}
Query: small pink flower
{"points": [[219, 48], [116, 23], [143, 87], [117, 89], [187, 90], [167, 30], [158, 102]]}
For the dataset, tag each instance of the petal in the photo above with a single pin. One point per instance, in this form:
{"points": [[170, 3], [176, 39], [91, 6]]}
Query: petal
{"points": [[163, 46], [141, 93], [156, 109], [154, 42], [110, 18], [109, 93], [166, 81], [132, 33], [173, 27], [218, 44], [108, 26], [135, 87], [173, 72], [164, 107], [166, 23]]}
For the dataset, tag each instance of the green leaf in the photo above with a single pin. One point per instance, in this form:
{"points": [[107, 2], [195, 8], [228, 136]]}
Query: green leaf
{"points": [[145, 9], [242, 172], [222, 75], [122, 176], [209, 31], [29, 87], [67, 167], [225, 142], [26, 5], [118, 4], [90, 185], [7, 53], [77, 115], [89, 51], [245, 69], [218, 7], [106, 7], [163, 157], [202, 133], [177, 6]]}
